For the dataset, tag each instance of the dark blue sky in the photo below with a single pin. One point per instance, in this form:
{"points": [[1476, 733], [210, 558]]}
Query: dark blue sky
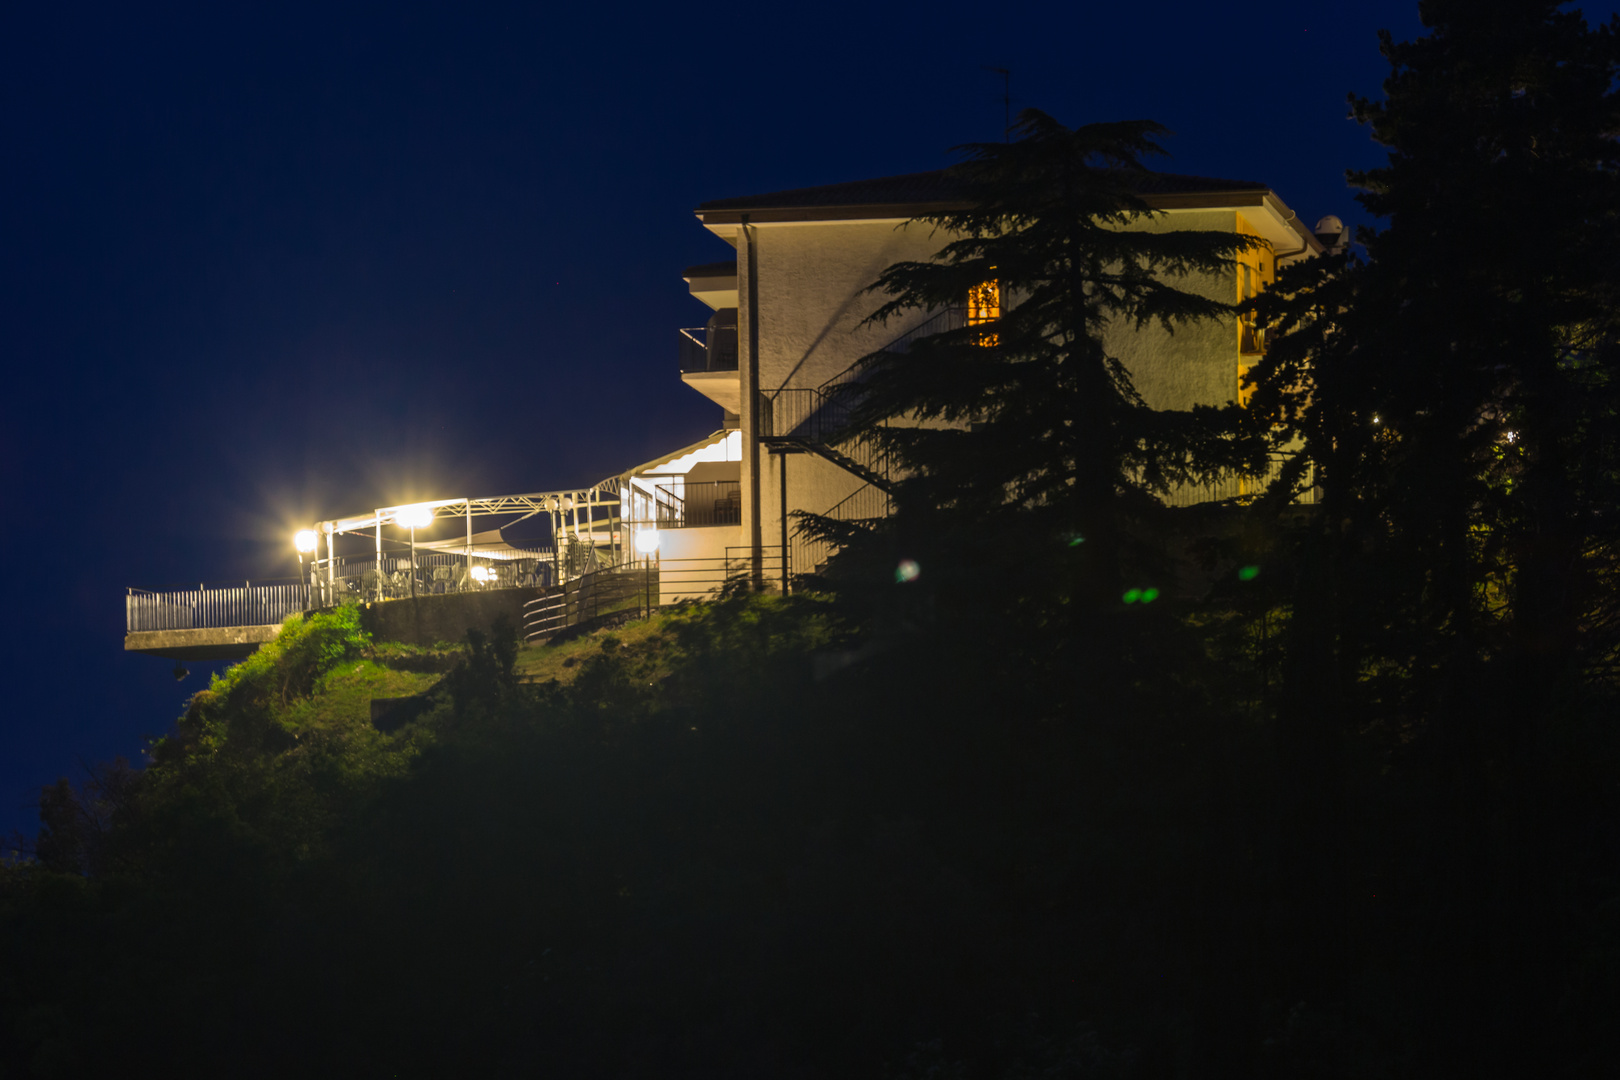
{"points": [[269, 263]]}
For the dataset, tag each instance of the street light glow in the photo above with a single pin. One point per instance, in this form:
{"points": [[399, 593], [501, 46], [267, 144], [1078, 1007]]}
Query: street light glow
{"points": [[413, 517], [304, 541], [646, 541]]}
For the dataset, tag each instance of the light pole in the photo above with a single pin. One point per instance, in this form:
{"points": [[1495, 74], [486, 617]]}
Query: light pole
{"points": [[411, 517], [304, 541]]}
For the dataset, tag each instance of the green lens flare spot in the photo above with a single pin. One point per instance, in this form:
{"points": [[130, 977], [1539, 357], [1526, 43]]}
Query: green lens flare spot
{"points": [[1248, 573], [1149, 595], [1132, 596], [1076, 541]]}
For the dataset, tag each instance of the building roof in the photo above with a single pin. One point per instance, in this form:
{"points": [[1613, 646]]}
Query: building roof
{"points": [[939, 187]]}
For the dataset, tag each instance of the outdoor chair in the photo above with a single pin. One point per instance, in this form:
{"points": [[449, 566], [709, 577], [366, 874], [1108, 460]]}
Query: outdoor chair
{"points": [[371, 584], [442, 579]]}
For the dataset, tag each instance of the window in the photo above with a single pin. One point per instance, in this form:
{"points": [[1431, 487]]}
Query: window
{"points": [[984, 303], [984, 306], [1252, 280]]}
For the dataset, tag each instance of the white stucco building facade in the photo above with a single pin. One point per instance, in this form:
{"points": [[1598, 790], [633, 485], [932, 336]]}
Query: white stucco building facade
{"points": [[789, 315]]}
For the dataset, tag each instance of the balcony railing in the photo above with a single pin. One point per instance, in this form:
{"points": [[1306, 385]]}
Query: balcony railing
{"points": [[712, 502], [705, 350]]}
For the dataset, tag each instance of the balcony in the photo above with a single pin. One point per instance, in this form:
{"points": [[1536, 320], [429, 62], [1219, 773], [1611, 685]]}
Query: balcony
{"points": [[709, 364], [694, 506], [704, 349]]}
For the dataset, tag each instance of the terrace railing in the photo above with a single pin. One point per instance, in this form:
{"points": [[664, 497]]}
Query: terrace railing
{"points": [[210, 608]]}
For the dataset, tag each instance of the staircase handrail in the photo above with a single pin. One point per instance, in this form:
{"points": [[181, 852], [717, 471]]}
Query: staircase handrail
{"points": [[901, 344]]}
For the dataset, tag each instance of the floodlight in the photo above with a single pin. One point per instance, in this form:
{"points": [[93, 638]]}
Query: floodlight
{"points": [[646, 541], [481, 573], [413, 517], [305, 540]]}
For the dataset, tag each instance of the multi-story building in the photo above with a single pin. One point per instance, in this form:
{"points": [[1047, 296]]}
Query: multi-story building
{"points": [[790, 318]]}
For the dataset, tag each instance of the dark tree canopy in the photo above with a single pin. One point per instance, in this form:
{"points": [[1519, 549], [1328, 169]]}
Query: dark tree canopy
{"points": [[1454, 386], [1025, 429], [1457, 388]]}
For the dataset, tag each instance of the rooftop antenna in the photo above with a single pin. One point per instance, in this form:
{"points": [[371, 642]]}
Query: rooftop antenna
{"points": [[1006, 100]]}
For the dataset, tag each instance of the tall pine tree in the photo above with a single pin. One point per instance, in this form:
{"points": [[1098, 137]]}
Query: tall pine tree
{"points": [[1028, 454]]}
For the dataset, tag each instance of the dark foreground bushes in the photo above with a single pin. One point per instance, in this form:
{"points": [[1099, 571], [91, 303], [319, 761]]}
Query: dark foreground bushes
{"points": [[694, 859]]}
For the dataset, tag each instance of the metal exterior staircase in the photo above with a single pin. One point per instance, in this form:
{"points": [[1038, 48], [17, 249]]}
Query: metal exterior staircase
{"points": [[816, 421], [864, 503]]}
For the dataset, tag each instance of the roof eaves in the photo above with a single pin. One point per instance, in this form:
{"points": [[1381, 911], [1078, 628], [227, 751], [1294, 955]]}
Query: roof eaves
{"points": [[852, 212]]}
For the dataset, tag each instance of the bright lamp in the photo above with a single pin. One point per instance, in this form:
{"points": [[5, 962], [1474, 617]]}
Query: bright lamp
{"points": [[413, 517]]}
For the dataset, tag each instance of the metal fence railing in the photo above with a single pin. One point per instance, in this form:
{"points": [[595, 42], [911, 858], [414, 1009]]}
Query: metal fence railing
{"points": [[624, 591], [637, 589], [811, 414], [700, 579], [206, 608], [353, 578]]}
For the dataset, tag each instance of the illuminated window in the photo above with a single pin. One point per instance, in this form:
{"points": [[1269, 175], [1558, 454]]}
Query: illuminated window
{"points": [[1253, 278], [984, 306], [984, 303]]}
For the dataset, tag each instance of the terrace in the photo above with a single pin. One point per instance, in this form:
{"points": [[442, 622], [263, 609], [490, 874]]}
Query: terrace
{"points": [[447, 547], [548, 559]]}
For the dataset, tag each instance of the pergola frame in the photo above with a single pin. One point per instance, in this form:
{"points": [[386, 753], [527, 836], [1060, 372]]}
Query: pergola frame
{"points": [[557, 505]]}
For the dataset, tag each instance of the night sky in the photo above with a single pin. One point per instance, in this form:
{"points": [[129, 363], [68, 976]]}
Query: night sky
{"points": [[267, 264]]}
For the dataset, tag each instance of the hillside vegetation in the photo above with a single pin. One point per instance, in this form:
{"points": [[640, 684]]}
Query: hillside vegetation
{"points": [[684, 855]]}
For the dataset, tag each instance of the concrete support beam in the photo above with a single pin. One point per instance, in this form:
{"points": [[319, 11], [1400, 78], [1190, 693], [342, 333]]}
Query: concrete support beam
{"points": [[223, 643]]}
